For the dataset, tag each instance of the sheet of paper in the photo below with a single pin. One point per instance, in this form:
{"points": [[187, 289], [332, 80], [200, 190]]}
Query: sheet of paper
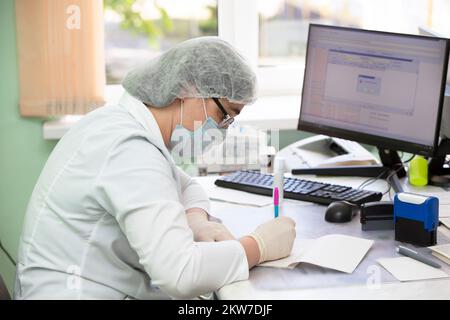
{"points": [[338, 252], [407, 269], [334, 251], [216, 193]]}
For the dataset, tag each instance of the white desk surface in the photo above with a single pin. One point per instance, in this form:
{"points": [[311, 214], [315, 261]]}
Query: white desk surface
{"points": [[268, 283]]}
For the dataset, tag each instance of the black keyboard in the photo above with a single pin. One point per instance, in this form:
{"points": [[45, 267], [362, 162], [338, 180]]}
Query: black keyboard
{"points": [[298, 189]]}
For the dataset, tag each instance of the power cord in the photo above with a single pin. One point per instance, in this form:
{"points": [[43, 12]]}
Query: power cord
{"points": [[409, 160], [7, 254], [370, 181]]}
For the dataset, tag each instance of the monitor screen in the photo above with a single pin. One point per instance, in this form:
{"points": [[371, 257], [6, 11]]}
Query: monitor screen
{"points": [[428, 32], [374, 87]]}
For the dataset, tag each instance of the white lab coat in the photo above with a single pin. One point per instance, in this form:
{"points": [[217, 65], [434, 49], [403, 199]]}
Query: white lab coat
{"points": [[106, 219]]}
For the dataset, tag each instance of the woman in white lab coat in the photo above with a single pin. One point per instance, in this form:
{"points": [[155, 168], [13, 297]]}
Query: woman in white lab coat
{"points": [[112, 217]]}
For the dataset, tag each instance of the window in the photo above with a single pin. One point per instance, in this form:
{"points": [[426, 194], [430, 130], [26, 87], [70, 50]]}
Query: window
{"points": [[136, 31], [283, 24], [272, 34]]}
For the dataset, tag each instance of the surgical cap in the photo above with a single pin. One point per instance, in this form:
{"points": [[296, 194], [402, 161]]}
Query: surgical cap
{"points": [[205, 67]]}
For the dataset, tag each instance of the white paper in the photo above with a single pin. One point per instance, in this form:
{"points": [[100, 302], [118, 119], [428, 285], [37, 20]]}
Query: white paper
{"points": [[335, 251], [407, 269]]}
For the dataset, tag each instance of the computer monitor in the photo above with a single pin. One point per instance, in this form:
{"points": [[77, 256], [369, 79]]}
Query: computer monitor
{"points": [[380, 88], [445, 119], [424, 31]]}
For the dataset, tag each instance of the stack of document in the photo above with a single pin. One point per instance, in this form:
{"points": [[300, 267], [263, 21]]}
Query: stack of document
{"points": [[441, 252], [334, 251]]}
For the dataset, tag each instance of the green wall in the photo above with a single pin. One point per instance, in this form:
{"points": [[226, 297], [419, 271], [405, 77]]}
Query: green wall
{"points": [[23, 152], [290, 136]]}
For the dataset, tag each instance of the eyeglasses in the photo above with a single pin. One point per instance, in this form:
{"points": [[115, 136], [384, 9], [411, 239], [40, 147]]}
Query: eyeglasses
{"points": [[227, 119]]}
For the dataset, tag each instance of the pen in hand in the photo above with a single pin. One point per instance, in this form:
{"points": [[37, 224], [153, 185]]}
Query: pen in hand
{"points": [[276, 201], [417, 256]]}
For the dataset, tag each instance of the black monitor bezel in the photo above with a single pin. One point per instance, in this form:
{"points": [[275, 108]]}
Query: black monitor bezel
{"points": [[378, 141]]}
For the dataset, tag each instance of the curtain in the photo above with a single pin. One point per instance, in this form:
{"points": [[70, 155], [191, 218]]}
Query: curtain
{"points": [[61, 56]]}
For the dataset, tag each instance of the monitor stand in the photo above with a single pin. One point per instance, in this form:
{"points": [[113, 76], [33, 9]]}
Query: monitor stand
{"points": [[439, 171], [392, 169]]}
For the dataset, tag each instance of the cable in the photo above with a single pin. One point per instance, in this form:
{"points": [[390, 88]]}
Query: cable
{"points": [[7, 254], [409, 160], [366, 183], [388, 190], [369, 181]]}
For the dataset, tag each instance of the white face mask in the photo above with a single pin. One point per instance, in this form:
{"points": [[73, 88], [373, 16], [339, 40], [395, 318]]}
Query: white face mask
{"points": [[188, 144]]}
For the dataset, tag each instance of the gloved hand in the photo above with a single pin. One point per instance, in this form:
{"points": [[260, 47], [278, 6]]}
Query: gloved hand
{"points": [[275, 238], [205, 230]]}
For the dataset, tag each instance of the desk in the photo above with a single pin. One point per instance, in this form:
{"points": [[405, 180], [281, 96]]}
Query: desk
{"points": [[269, 283]]}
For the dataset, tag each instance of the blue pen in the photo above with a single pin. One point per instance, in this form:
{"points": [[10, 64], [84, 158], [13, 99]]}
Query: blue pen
{"points": [[276, 199]]}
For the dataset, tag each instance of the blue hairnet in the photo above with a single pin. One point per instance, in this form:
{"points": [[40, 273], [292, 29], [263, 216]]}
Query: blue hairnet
{"points": [[205, 67]]}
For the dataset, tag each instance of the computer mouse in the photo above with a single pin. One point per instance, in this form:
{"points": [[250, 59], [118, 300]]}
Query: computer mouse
{"points": [[341, 211]]}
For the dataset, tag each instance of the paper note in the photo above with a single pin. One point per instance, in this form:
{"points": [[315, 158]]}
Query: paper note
{"points": [[407, 269], [335, 251]]}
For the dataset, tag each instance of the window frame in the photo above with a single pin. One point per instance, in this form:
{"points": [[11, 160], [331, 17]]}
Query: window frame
{"points": [[238, 23]]}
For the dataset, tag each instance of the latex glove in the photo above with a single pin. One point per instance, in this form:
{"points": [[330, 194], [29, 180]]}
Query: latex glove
{"points": [[205, 230], [275, 238]]}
